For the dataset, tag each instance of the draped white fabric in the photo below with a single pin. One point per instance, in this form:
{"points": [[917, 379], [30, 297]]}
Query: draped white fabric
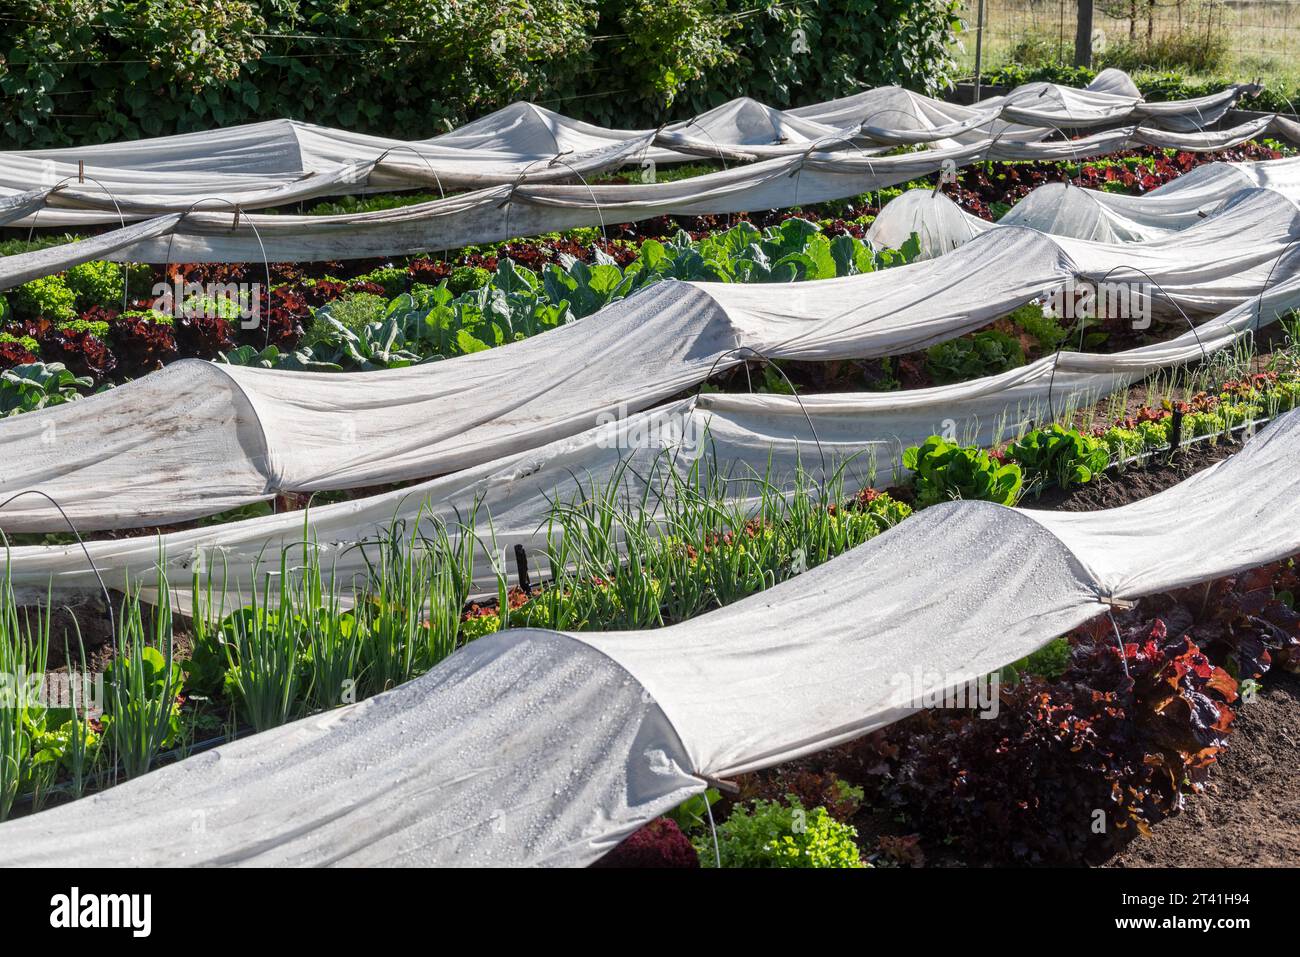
{"points": [[538, 748], [738, 436], [195, 438], [504, 212], [1067, 210], [282, 161]]}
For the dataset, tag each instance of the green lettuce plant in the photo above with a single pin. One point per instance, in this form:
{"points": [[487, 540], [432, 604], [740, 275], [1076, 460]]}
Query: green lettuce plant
{"points": [[943, 470], [972, 357], [778, 835], [465, 279], [97, 283], [48, 297], [1060, 456]]}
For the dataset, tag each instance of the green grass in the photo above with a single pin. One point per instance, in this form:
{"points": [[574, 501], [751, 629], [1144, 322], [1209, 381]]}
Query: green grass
{"points": [[1200, 41]]}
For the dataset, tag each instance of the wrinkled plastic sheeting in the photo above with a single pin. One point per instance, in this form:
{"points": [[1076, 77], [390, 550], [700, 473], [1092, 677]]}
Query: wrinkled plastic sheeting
{"points": [[816, 174], [955, 592], [1063, 209], [523, 748], [1235, 515], [159, 444], [283, 160], [754, 442]]}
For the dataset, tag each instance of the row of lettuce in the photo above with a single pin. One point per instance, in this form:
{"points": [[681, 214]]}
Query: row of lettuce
{"points": [[609, 565], [65, 335], [387, 318]]}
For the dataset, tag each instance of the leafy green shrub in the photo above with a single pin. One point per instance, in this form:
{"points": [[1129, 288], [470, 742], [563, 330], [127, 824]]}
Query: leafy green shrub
{"points": [[1059, 455], [972, 357], [35, 385], [789, 54], [944, 470], [48, 297], [777, 835], [353, 312], [467, 278], [1034, 47], [393, 279], [131, 68], [96, 283], [666, 44], [1192, 51], [1044, 328]]}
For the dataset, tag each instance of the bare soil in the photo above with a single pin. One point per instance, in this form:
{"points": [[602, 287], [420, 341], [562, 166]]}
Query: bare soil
{"points": [[1135, 482], [1249, 813]]}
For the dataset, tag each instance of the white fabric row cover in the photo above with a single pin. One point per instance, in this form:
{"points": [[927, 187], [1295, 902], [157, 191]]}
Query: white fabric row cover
{"points": [[1064, 209], [506, 212], [738, 436], [531, 747], [898, 116], [197, 438], [283, 161]]}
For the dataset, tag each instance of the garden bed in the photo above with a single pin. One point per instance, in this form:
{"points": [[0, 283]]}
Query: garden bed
{"points": [[901, 798], [191, 682]]}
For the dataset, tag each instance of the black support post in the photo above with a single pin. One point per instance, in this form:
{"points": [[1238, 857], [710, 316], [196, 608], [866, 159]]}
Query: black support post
{"points": [[1083, 35]]}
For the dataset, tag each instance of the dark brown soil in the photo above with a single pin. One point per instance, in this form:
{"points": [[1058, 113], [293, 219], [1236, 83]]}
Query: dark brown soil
{"points": [[1136, 481], [1249, 812]]}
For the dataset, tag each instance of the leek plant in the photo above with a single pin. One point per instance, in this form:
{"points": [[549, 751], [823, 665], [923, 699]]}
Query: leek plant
{"points": [[142, 682], [333, 638], [263, 640], [84, 747], [24, 653], [408, 609], [688, 542]]}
